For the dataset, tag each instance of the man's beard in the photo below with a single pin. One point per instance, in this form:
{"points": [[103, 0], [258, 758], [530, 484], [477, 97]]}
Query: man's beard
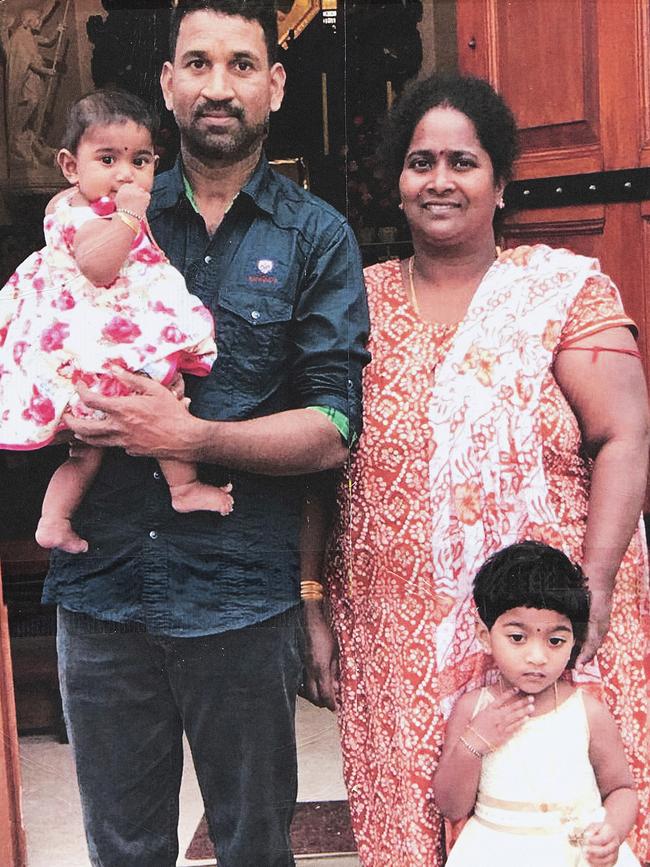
{"points": [[234, 145]]}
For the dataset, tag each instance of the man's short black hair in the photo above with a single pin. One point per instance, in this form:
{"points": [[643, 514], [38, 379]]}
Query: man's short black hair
{"points": [[262, 11], [104, 107], [533, 575]]}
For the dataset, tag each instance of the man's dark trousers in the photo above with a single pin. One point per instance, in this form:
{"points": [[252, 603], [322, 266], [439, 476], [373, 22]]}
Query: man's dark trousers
{"points": [[127, 698]]}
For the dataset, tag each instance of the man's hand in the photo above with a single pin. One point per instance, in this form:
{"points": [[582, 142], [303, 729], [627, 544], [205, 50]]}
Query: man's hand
{"points": [[321, 666], [149, 421]]}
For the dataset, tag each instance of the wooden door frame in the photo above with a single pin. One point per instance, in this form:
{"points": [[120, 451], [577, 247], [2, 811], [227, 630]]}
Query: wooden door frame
{"points": [[13, 850]]}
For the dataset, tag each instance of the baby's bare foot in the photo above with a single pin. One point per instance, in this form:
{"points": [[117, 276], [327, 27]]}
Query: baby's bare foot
{"points": [[197, 497], [58, 533]]}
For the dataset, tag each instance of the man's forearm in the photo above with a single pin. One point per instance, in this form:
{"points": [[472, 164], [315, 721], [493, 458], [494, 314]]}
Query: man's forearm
{"points": [[286, 443]]}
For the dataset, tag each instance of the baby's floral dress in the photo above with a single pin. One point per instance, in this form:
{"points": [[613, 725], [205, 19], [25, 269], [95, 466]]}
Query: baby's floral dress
{"points": [[58, 329]]}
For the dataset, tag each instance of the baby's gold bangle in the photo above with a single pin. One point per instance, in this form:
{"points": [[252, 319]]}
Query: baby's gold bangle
{"points": [[312, 590], [128, 220]]}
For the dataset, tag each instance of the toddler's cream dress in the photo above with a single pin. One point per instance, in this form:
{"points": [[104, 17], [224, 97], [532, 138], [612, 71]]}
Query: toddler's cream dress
{"points": [[537, 793]]}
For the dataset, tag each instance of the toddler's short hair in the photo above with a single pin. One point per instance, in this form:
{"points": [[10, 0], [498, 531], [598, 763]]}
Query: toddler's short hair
{"points": [[533, 575]]}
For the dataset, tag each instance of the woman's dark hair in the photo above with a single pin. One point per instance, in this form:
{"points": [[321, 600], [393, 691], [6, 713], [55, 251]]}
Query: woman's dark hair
{"points": [[262, 11], [494, 122], [533, 575], [103, 107]]}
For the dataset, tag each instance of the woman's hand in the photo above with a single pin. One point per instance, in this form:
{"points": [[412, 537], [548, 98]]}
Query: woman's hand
{"points": [[496, 723], [321, 666], [600, 612], [601, 845]]}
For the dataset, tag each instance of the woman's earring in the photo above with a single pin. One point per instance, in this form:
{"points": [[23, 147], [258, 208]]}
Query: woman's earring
{"points": [[501, 203], [401, 206]]}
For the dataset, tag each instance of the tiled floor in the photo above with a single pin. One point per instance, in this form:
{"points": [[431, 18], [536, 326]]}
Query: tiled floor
{"points": [[52, 813]]}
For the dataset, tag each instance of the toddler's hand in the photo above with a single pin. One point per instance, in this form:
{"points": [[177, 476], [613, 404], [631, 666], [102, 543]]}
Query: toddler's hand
{"points": [[133, 198], [601, 845], [496, 723]]}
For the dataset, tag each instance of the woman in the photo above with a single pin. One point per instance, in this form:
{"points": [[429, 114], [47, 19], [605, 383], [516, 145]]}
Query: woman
{"points": [[505, 399]]}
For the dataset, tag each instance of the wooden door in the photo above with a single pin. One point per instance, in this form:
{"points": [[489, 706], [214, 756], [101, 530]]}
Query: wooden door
{"points": [[12, 834]]}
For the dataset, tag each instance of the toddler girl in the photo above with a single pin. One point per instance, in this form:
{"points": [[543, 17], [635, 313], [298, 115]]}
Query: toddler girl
{"points": [[540, 764], [99, 295]]}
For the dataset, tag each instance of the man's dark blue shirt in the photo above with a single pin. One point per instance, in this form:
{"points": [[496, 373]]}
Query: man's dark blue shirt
{"points": [[282, 277]]}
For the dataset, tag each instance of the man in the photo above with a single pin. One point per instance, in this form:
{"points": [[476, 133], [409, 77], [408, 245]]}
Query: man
{"points": [[175, 622]]}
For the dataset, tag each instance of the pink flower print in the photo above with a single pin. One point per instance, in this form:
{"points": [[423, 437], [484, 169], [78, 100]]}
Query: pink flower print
{"points": [[68, 235], [19, 350], [3, 335], [40, 409], [121, 330], [88, 379], [110, 386], [172, 334], [13, 280], [52, 338], [38, 283], [64, 301], [149, 255], [159, 307]]}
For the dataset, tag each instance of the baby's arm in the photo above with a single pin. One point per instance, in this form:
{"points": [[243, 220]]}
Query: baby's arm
{"points": [[615, 783], [102, 245], [467, 740]]}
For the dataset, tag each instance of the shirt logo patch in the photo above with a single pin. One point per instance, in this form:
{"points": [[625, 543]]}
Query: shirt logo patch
{"points": [[265, 265]]}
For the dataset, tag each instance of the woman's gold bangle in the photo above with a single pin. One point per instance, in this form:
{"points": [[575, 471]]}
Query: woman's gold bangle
{"points": [[312, 590], [128, 220]]}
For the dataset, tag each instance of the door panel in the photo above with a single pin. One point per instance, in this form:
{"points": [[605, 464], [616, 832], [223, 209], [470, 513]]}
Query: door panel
{"points": [[543, 58]]}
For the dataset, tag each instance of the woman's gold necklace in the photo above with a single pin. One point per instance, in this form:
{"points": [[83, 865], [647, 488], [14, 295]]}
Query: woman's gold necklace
{"points": [[411, 285], [413, 296]]}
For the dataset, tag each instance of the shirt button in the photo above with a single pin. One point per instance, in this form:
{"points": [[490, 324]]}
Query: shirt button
{"points": [[156, 475], [207, 260], [153, 534], [255, 314]]}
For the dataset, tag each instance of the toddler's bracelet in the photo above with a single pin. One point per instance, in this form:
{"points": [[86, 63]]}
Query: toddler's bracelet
{"points": [[487, 743], [312, 590], [128, 220], [468, 746]]}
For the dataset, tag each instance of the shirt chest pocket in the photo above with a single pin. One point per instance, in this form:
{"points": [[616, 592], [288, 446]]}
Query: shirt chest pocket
{"points": [[253, 333]]}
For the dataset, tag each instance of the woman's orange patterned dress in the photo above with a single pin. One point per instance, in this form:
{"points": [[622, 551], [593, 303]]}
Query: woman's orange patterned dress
{"points": [[381, 577]]}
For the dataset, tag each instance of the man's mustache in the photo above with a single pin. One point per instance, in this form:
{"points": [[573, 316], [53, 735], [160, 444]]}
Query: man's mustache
{"points": [[222, 107]]}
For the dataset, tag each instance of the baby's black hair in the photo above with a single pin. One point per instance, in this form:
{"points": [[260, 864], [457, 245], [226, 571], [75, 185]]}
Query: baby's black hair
{"points": [[104, 107], [533, 575]]}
